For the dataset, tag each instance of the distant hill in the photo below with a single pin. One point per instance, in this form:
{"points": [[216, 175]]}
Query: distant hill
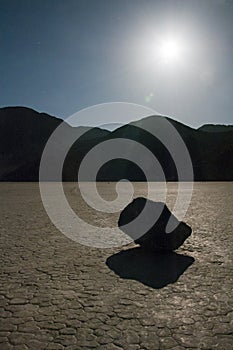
{"points": [[216, 128], [111, 126], [24, 133]]}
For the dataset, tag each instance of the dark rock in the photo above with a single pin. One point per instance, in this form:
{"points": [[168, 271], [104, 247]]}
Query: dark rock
{"points": [[149, 229]]}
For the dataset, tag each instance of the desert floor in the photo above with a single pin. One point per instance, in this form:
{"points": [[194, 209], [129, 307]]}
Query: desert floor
{"points": [[59, 294]]}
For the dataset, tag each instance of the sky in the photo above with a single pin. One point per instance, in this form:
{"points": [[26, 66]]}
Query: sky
{"points": [[60, 56]]}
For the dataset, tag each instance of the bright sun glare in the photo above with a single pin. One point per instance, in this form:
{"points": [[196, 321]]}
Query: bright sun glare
{"points": [[170, 50]]}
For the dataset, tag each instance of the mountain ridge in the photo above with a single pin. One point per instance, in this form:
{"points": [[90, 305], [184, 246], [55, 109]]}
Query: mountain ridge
{"points": [[24, 133]]}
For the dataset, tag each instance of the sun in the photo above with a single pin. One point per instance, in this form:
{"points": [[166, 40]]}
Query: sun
{"points": [[170, 50]]}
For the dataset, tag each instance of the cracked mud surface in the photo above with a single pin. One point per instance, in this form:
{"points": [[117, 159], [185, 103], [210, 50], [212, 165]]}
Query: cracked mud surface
{"points": [[58, 294]]}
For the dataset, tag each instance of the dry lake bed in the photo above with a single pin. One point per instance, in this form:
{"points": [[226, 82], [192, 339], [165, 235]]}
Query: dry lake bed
{"points": [[59, 294]]}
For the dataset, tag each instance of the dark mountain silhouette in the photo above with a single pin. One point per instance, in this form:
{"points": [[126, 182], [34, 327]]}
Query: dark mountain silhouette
{"points": [[216, 128], [24, 133]]}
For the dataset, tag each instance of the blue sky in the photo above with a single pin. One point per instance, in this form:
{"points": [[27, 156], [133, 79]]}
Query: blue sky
{"points": [[61, 56]]}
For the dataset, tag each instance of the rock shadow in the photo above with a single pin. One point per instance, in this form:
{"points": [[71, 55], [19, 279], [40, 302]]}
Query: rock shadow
{"points": [[152, 269]]}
